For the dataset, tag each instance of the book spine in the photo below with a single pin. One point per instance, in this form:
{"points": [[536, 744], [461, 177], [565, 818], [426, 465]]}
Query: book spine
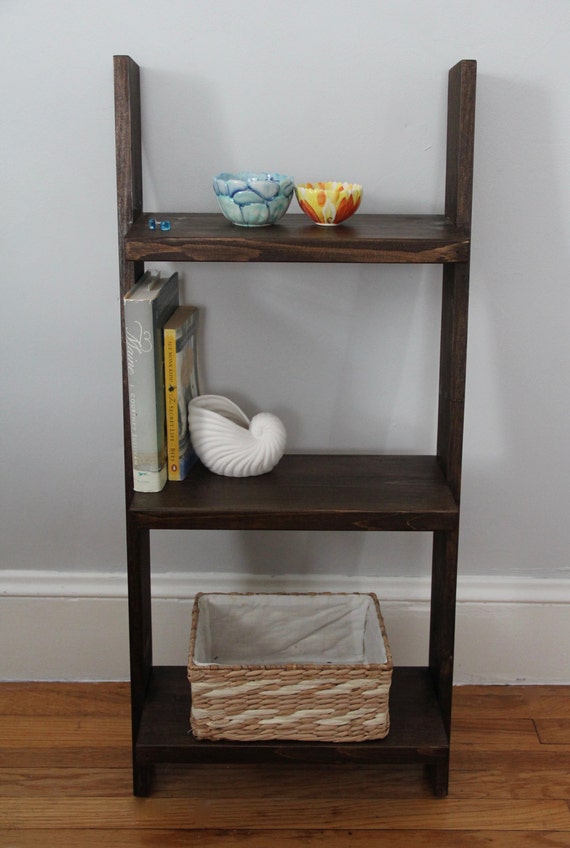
{"points": [[171, 398], [181, 385], [145, 356]]}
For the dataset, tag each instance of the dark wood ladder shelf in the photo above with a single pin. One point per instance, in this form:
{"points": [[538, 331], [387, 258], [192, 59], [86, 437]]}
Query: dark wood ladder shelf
{"points": [[348, 492]]}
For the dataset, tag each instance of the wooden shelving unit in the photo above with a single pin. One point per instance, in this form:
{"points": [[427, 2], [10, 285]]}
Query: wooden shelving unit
{"points": [[308, 492]]}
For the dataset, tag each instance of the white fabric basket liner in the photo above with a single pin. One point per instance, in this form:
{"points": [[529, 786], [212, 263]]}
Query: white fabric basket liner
{"points": [[280, 629]]}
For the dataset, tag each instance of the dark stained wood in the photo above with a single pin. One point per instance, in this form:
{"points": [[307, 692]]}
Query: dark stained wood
{"points": [[365, 239], [417, 734], [460, 142], [442, 617], [458, 200], [453, 352], [311, 492], [129, 160], [280, 779], [319, 492], [129, 207], [453, 356], [140, 637]]}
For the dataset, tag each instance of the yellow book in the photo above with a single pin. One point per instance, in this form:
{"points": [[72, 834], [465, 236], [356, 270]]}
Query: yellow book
{"points": [[181, 385]]}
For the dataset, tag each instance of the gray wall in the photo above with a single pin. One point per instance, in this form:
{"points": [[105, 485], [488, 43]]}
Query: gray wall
{"points": [[347, 357]]}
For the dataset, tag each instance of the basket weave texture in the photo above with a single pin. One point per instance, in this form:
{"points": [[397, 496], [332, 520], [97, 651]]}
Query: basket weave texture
{"points": [[336, 702]]}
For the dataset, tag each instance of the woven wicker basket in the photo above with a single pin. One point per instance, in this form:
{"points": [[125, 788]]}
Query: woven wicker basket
{"points": [[289, 666]]}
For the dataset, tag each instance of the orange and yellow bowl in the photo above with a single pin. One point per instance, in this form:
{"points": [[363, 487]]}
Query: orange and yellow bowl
{"points": [[330, 203]]}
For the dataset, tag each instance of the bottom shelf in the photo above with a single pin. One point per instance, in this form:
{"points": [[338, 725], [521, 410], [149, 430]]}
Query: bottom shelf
{"points": [[417, 733]]}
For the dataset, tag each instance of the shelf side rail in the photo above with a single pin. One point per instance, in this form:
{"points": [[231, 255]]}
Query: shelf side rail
{"points": [[129, 206]]}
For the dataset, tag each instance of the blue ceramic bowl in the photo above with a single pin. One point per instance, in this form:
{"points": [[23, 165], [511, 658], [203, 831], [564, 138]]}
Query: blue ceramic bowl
{"points": [[253, 200]]}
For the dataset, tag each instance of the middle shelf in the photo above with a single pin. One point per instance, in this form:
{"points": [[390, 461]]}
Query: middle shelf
{"points": [[309, 492]]}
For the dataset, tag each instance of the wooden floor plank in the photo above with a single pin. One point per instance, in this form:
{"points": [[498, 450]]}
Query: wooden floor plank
{"points": [[62, 731], [71, 699], [65, 780], [553, 731], [544, 757], [505, 781], [100, 756], [187, 813], [291, 783], [33, 782], [498, 734], [214, 838], [51, 741], [512, 701]]}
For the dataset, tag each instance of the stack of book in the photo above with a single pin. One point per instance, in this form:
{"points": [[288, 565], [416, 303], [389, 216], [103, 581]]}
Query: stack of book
{"points": [[161, 351]]}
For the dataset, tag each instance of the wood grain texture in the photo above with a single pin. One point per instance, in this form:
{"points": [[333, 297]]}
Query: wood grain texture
{"points": [[77, 699], [553, 731], [194, 237], [512, 701], [65, 780], [213, 838], [310, 492], [417, 734], [187, 814]]}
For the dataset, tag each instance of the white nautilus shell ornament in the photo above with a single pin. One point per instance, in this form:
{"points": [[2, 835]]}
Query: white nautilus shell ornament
{"points": [[228, 443]]}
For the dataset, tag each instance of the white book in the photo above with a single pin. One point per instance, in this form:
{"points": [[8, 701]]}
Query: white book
{"points": [[148, 305]]}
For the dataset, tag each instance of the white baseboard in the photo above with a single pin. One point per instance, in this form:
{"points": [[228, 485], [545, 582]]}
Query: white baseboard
{"points": [[73, 626]]}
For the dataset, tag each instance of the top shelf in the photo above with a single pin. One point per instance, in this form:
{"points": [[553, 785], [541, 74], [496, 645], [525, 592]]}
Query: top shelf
{"points": [[194, 237]]}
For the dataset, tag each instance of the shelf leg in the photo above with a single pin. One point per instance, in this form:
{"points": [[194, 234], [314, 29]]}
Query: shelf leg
{"points": [[452, 373], [455, 297], [142, 780], [442, 624], [140, 635], [439, 777]]}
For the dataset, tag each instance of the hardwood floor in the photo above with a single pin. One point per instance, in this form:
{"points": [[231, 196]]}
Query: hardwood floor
{"points": [[65, 781]]}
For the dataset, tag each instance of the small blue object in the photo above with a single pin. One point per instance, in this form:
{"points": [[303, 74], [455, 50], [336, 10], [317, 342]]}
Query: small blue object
{"points": [[153, 224]]}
